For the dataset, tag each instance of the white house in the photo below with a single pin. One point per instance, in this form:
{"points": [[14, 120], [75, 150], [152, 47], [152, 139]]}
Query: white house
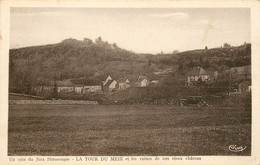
{"points": [[123, 84], [195, 74], [92, 88], [110, 86], [143, 81], [107, 79], [78, 88], [65, 86], [154, 83]]}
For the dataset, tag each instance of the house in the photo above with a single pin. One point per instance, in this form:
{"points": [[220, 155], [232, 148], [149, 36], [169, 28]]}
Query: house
{"points": [[44, 89], [213, 75], [196, 74], [244, 87], [92, 86], [65, 86], [107, 79], [143, 81], [78, 88], [85, 85], [123, 84], [154, 83], [110, 85]]}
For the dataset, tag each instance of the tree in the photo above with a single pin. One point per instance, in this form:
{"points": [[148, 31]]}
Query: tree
{"points": [[206, 48], [201, 59], [99, 40], [226, 45], [181, 67], [206, 63], [11, 73], [55, 91], [149, 62], [191, 64], [175, 52], [173, 79], [114, 45]]}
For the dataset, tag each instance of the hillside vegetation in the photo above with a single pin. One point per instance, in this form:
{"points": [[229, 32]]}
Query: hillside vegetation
{"points": [[216, 59], [42, 65]]}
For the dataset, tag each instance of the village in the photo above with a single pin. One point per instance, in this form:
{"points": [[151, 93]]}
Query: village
{"points": [[108, 85], [197, 77]]}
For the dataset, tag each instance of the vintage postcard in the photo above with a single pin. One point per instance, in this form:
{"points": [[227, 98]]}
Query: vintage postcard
{"points": [[124, 82]]}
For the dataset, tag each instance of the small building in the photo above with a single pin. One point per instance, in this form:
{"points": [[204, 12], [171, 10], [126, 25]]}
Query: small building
{"points": [[196, 74], [43, 89], [88, 88], [65, 86], [110, 86], [123, 84], [154, 83], [86, 85], [78, 88], [143, 81], [107, 79]]}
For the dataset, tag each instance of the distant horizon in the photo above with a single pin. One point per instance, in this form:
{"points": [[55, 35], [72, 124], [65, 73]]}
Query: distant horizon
{"points": [[141, 30], [131, 50]]}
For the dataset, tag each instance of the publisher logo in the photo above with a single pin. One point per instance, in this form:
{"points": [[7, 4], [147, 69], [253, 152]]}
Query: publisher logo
{"points": [[235, 148]]}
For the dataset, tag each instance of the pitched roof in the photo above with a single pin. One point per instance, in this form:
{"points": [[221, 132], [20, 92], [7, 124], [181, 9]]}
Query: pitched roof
{"points": [[154, 81], [79, 85], [123, 80], [109, 78], [196, 72], [64, 83], [141, 78], [108, 83]]}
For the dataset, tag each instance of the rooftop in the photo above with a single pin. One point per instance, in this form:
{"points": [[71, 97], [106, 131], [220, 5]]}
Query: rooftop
{"points": [[108, 83], [196, 71]]}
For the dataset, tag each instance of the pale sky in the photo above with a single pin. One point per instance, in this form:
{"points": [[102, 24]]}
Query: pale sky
{"points": [[141, 30]]}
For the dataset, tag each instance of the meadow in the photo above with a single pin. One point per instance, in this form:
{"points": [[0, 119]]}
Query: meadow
{"points": [[138, 130]]}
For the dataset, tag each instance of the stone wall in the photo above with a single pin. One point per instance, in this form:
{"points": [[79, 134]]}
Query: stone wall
{"points": [[58, 102]]}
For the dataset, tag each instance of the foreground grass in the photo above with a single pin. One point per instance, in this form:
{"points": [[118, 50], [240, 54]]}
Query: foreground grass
{"points": [[127, 130]]}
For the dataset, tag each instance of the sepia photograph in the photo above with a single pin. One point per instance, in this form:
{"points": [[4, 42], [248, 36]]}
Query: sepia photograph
{"points": [[129, 82]]}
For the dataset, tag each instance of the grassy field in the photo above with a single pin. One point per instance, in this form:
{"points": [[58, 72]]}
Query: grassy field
{"points": [[127, 130]]}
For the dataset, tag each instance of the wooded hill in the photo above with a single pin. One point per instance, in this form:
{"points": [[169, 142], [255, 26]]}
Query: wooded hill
{"points": [[42, 65], [216, 59]]}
